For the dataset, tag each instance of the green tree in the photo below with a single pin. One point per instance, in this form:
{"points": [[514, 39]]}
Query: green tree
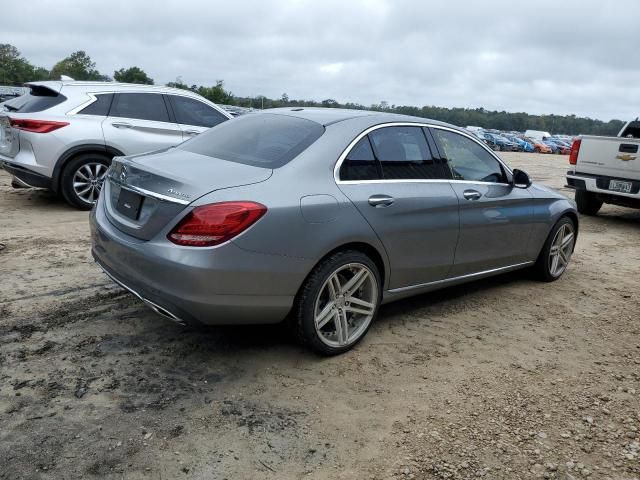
{"points": [[15, 69], [132, 75], [78, 66]]}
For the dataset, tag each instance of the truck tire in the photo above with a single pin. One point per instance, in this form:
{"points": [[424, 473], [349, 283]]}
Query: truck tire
{"points": [[588, 202]]}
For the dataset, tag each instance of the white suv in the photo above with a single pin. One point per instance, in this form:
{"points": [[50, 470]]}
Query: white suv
{"points": [[62, 135]]}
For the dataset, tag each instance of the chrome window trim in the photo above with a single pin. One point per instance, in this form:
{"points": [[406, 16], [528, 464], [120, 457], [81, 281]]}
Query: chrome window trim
{"points": [[461, 277], [343, 156], [148, 193]]}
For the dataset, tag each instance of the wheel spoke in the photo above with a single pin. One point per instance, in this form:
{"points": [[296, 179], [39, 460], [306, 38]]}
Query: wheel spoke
{"points": [[87, 169], [78, 185], [566, 241], [326, 314], [82, 175], [355, 282], [98, 169], [342, 328], [563, 259], [334, 286], [84, 191], [554, 264], [360, 302], [361, 311]]}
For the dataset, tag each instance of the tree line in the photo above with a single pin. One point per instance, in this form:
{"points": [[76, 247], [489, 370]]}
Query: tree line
{"points": [[16, 70]]}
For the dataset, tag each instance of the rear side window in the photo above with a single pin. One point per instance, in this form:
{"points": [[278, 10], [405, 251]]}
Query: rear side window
{"points": [[262, 140], [189, 111], [100, 106], [360, 163], [404, 154], [467, 159], [40, 99], [143, 106]]}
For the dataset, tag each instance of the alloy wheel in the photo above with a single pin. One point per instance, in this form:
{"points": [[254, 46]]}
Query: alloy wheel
{"points": [[87, 181], [346, 305], [561, 249]]}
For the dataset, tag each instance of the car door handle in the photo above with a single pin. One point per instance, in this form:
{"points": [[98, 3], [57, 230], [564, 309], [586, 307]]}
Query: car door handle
{"points": [[471, 194], [380, 200], [122, 125], [191, 132]]}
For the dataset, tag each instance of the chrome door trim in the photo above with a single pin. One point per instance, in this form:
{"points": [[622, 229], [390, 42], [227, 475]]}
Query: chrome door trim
{"points": [[341, 158], [148, 193], [462, 277]]}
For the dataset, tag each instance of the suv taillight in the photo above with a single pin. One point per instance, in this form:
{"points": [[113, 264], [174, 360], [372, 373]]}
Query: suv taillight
{"points": [[210, 225], [575, 149], [36, 126]]}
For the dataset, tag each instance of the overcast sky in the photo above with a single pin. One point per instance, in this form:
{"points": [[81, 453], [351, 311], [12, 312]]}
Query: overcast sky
{"points": [[561, 56]]}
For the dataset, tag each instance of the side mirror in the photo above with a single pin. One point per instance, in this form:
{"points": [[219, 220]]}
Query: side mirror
{"points": [[521, 179]]}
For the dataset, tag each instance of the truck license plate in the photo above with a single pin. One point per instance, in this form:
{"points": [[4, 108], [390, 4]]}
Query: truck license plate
{"points": [[620, 186]]}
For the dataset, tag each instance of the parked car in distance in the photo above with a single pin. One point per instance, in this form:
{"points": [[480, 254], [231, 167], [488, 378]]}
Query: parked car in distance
{"points": [[538, 146], [524, 145], [320, 216], [62, 135], [606, 170], [498, 142]]}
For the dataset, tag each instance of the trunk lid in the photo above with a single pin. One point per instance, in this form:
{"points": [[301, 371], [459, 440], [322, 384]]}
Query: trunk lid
{"points": [[143, 193]]}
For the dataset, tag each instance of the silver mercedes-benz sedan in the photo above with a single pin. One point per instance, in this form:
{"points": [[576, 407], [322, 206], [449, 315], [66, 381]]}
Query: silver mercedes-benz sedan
{"points": [[319, 216]]}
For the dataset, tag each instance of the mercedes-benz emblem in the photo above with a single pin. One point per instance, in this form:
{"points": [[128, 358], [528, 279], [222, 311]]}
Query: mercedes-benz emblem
{"points": [[123, 173]]}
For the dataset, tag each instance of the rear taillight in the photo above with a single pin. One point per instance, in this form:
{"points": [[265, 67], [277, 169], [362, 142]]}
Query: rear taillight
{"points": [[36, 126], [214, 224], [575, 149]]}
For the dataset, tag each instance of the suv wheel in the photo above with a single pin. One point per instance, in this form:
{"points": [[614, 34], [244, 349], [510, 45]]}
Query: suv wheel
{"points": [[588, 203], [82, 179], [338, 302]]}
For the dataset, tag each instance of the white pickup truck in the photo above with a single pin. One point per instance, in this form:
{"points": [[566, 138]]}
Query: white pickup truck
{"points": [[606, 169]]}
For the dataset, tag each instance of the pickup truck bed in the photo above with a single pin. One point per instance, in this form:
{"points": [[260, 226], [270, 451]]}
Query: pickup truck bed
{"points": [[605, 170]]}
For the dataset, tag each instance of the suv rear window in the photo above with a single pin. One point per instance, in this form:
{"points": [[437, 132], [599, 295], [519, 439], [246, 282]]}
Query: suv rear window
{"points": [[40, 99], [262, 140]]}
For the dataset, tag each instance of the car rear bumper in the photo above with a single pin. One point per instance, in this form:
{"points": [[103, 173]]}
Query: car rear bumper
{"points": [[27, 176], [600, 184], [213, 286]]}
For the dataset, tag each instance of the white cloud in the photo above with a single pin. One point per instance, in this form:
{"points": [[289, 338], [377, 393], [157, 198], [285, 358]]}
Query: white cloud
{"points": [[540, 57]]}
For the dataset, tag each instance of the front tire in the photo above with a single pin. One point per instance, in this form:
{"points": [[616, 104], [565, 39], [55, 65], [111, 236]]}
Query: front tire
{"points": [[588, 203], [82, 179], [338, 302], [557, 250]]}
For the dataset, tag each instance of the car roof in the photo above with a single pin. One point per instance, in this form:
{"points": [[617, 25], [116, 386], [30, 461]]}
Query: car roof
{"points": [[329, 116], [88, 86]]}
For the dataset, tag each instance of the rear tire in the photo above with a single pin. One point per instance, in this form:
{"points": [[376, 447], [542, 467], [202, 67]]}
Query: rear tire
{"points": [[323, 316], [588, 203], [557, 250], [82, 179]]}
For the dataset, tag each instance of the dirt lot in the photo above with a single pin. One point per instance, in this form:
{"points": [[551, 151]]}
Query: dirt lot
{"points": [[504, 378]]}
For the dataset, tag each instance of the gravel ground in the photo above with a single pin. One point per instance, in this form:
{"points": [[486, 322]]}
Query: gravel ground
{"points": [[503, 378]]}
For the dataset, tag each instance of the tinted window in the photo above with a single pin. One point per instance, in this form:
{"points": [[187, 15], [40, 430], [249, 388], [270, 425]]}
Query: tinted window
{"points": [[360, 163], [404, 154], [144, 106], [189, 111], [100, 106], [262, 140], [467, 159], [40, 99]]}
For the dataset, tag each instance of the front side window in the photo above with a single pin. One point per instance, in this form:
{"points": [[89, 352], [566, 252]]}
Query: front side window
{"points": [[467, 159], [403, 153], [261, 140], [360, 163], [189, 111], [143, 106]]}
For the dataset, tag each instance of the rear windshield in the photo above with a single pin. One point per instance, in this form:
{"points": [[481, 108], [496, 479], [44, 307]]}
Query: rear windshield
{"points": [[40, 99], [632, 130], [262, 140]]}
